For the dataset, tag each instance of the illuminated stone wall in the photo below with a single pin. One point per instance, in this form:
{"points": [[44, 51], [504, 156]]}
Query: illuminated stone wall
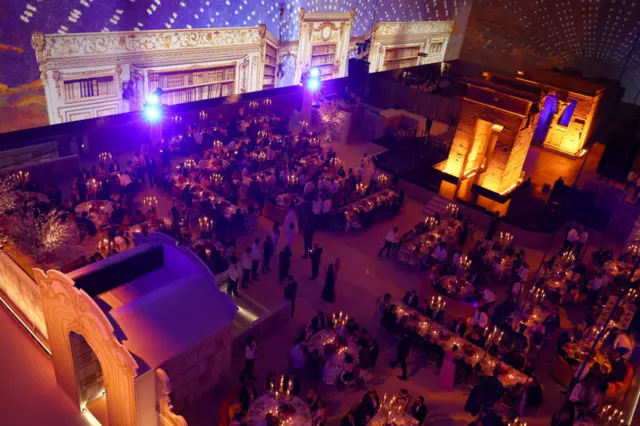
{"points": [[571, 138]]}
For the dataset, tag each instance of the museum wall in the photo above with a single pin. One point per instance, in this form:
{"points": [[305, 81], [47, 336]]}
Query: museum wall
{"points": [[23, 103]]}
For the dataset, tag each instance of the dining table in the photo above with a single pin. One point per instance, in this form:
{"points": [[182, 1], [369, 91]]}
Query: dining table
{"points": [[289, 410]]}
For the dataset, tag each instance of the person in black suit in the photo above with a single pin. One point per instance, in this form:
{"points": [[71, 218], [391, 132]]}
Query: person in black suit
{"points": [[404, 347], [419, 410], [370, 404], [349, 419], [459, 327], [247, 395], [411, 299], [315, 256], [318, 322]]}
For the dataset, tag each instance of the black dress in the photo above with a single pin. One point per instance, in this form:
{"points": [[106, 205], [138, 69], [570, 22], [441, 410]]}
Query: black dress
{"points": [[328, 291]]}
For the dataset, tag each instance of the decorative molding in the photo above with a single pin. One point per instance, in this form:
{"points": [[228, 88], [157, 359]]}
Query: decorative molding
{"points": [[57, 78], [177, 56], [422, 27], [56, 46], [67, 309], [38, 44], [164, 406]]}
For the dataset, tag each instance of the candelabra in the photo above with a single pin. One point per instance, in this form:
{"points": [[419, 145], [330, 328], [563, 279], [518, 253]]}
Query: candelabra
{"points": [[632, 295], [335, 161], [383, 179], [176, 119], [94, 185], [262, 133], [262, 156], [253, 104], [494, 337], [537, 294], [464, 262], [150, 202], [430, 221], [216, 178], [267, 102], [281, 389], [205, 223], [437, 304], [339, 321], [505, 238], [21, 177], [568, 257], [452, 209], [105, 157], [314, 141], [304, 124], [217, 144], [203, 115], [189, 164], [292, 179], [633, 249], [611, 416], [361, 188], [105, 246]]}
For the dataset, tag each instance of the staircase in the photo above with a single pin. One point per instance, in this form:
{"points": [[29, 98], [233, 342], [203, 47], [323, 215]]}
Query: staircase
{"points": [[436, 204]]}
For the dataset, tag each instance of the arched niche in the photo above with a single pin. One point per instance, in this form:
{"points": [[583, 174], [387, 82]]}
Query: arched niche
{"points": [[68, 309]]}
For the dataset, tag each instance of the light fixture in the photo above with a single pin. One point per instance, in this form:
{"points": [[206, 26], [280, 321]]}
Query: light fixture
{"points": [[313, 84], [152, 113], [315, 72]]}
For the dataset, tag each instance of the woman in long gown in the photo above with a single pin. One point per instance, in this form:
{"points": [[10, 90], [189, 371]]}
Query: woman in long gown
{"points": [[448, 370], [328, 291]]}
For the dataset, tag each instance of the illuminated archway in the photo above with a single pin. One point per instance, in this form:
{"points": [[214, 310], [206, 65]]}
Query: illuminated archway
{"points": [[68, 309]]}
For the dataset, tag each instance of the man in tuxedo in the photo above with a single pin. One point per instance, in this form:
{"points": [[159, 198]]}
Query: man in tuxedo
{"points": [[404, 348], [419, 410], [411, 299], [315, 255]]}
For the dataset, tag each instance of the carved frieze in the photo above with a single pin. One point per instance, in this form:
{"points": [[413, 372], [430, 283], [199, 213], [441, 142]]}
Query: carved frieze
{"points": [[395, 28]]}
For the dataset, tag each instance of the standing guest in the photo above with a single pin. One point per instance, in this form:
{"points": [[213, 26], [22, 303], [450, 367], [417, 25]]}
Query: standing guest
{"points": [[326, 210], [234, 276], [246, 267], [411, 299], [370, 405], [291, 232], [247, 395], [318, 322], [419, 410], [374, 353], [571, 239], [446, 377], [328, 291], [285, 263], [308, 240], [291, 219], [582, 241], [255, 259], [267, 253], [493, 227], [404, 348], [315, 256], [316, 210], [250, 355], [429, 124], [290, 291], [349, 419], [389, 241], [275, 234]]}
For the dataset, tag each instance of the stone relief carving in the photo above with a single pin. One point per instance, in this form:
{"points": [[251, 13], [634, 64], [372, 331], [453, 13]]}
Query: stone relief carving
{"points": [[62, 46], [164, 405], [395, 28]]}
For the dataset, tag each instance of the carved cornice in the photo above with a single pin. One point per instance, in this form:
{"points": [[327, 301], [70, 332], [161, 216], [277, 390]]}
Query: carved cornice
{"points": [[56, 46], [422, 27], [166, 57]]}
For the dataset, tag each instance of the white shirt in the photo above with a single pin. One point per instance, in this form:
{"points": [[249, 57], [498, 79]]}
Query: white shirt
{"points": [[250, 352], [297, 356], [623, 341], [316, 206], [572, 237], [391, 236], [488, 296], [480, 319], [326, 205], [234, 272], [309, 187], [596, 284], [246, 261], [255, 252], [440, 253], [124, 179], [584, 236]]}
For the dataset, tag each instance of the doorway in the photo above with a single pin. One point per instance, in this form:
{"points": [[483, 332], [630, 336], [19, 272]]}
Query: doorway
{"points": [[89, 377], [549, 109]]}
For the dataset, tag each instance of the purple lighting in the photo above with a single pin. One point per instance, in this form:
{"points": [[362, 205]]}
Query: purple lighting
{"points": [[313, 84], [152, 113]]}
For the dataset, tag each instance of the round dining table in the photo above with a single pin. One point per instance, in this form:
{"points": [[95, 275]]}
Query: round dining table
{"points": [[290, 410]]}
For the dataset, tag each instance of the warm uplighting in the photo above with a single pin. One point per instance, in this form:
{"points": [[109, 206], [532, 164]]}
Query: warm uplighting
{"points": [[105, 157]]}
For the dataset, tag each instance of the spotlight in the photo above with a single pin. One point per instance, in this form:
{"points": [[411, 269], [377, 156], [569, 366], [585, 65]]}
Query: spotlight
{"points": [[153, 99], [315, 72], [152, 113], [313, 84]]}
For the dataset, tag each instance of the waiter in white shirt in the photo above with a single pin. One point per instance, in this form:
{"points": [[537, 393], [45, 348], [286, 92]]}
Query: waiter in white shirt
{"points": [[390, 240], [246, 267], [623, 340], [250, 355], [326, 209], [255, 259]]}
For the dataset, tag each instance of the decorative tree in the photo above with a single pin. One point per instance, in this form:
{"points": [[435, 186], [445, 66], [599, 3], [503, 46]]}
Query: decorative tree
{"points": [[8, 197], [330, 114], [44, 234]]}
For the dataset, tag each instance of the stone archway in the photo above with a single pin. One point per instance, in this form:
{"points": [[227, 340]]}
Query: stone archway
{"points": [[68, 309]]}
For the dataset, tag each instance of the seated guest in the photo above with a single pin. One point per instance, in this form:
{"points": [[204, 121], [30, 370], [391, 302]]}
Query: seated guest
{"points": [[370, 404], [419, 410], [624, 341], [296, 356], [318, 322], [479, 319], [515, 359], [348, 369], [349, 419], [564, 338], [476, 337], [411, 299], [459, 327], [313, 400]]}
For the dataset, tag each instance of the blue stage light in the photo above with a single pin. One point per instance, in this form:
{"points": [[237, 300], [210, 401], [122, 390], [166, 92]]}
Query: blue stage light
{"points": [[315, 72], [153, 99], [313, 84], [152, 113]]}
